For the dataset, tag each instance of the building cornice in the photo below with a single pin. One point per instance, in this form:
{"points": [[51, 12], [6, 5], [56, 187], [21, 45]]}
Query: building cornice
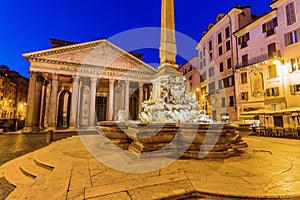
{"points": [[36, 55], [261, 18]]}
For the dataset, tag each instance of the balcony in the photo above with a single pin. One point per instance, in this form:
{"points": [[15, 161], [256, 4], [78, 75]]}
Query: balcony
{"points": [[260, 58]]}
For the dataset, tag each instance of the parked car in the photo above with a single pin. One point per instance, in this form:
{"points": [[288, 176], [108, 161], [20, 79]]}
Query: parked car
{"points": [[8, 124]]}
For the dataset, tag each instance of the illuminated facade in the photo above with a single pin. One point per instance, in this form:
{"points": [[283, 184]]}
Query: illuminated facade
{"points": [[217, 58], [268, 69], [76, 85], [191, 73], [13, 93]]}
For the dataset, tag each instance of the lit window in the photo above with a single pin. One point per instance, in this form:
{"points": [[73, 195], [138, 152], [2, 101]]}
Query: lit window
{"points": [[244, 96], [272, 92], [292, 37]]}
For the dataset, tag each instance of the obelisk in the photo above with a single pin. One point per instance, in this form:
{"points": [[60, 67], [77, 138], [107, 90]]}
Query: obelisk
{"points": [[168, 49]]}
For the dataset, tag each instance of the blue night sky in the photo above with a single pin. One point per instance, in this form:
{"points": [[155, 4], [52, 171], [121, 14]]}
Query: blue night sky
{"points": [[26, 25]]}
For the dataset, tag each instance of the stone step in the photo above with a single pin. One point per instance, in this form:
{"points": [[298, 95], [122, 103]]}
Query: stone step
{"points": [[15, 176], [31, 167], [57, 184]]}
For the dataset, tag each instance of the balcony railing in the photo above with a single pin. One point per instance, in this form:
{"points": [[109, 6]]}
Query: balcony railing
{"points": [[258, 59]]}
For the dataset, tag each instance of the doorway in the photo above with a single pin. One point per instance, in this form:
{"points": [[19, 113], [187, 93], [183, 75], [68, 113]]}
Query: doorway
{"points": [[101, 103]]}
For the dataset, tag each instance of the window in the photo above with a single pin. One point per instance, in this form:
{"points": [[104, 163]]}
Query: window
{"points": [[214, 115], [211, 72], [221, 67], [210, 57], [244, 96], [272, 92], [201, 65], [190, 78], [221, 84], [200, 54], [203, 77], [243, 40], [223, 102], [204, 52], [219, 38], [227, 32], [191, 67], [211, 87], [292, 37], [245, 60], [272, 50], [231, 101], [204, 62], [295, 89], [244, 77], [210, 45], [228, 81], [220, 50], [290, 13], [228, 46], [269, 27], [229, 65], [272, 71], [295, 64]]}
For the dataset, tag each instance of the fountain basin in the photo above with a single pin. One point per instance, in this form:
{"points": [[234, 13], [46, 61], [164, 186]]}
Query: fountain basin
{"points": [[172, 139]]}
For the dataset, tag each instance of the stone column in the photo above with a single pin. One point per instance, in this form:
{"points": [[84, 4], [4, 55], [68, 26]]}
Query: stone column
{"points": [[122, 93], [146, 93], [48, 93], [111, 100], [141, 96], [37, 104], [93, 101], [126, 97], [74, 102], [43, 107], [53, 101], [30, 102]]}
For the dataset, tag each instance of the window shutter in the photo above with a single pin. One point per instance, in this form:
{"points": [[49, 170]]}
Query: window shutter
{"points": [[275, 22], [292, 89], [298, 35], [247, 36], [264, 28], [286, 39]]}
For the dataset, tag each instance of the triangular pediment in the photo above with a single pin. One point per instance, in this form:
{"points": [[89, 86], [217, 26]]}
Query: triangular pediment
{"points": [[100, 53]]}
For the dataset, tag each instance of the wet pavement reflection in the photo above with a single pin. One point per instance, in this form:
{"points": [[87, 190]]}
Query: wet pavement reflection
{"points": [[15, 145]]}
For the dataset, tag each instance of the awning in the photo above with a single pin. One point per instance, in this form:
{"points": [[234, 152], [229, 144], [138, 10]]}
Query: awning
{"points": [[288, 111], [247, 116], [258, 112]]}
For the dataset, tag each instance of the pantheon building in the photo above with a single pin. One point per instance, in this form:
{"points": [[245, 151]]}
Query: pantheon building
{"points": [[76, 85]]}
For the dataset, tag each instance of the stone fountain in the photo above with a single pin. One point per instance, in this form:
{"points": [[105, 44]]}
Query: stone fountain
{"points": [[172, 123]]}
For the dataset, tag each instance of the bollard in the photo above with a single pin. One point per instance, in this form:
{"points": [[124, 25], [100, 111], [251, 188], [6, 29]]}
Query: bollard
{"points": [[49, 138]]}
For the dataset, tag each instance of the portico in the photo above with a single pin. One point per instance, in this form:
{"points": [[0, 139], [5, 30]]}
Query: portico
{"points": [[80, 84]]}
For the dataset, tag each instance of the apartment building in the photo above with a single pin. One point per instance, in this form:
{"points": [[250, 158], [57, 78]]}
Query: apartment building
{"points": [[217, 54], [267, 75], [13, 93]]}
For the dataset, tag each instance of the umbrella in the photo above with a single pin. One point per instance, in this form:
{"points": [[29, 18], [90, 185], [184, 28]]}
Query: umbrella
{"points": [[259, 112]]}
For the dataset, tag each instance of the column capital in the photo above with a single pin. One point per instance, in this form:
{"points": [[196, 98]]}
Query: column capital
{"points": [[75, 78], [33, 74], [55, 77], [111, 80], [40, 78], [93, 79]]}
